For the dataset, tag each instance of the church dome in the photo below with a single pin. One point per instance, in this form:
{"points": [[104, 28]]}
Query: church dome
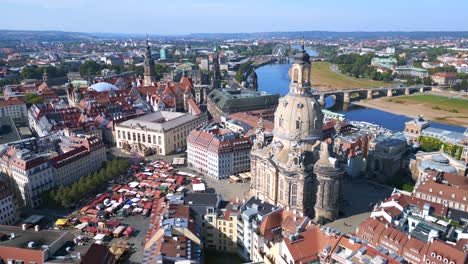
{"points": [[298, 116], [103, 87]]}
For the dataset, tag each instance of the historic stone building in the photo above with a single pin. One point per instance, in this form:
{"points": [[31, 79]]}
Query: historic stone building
{"points": [[283, 171]]}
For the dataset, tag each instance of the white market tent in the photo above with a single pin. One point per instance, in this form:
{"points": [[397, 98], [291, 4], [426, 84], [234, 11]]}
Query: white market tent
{"points": [[198, 187], [133, 184], [81, 226], [99, 237]]}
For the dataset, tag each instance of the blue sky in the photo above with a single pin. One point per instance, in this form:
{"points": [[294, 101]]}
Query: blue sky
{"points": [[191, 16]]}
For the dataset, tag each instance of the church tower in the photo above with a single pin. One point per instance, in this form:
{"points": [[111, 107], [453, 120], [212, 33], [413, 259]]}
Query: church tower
{"points": [[283, 171], [254, 81], [149, 74], [300, 72], [45, 77], [330, 181], [216, 76]]}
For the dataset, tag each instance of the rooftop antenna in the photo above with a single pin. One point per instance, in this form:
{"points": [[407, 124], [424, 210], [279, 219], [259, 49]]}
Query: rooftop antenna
{"points": [[147, 40]]}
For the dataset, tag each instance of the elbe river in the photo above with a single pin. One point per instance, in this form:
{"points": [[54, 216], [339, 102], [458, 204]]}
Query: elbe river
{"points": [[273, 79]]}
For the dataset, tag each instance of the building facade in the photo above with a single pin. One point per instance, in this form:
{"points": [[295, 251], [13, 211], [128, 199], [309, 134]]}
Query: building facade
{"points": [[385, 156], [35, 167], [218, 153], [283, 171], [411, 71], [14, 108], [221, 228], [87, 156], [161, 133], [9, 214], [32, 175], [444, 78]]}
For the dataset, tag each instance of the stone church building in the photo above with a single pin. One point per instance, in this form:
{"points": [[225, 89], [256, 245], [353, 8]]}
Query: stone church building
{"points": [[295, 171]]}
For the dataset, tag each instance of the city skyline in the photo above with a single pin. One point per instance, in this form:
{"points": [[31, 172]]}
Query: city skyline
{"points": [[239, 17]]}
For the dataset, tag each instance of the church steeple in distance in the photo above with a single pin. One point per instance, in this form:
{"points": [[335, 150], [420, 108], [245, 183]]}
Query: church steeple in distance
{"points": [[149, 73], [216, 76]]}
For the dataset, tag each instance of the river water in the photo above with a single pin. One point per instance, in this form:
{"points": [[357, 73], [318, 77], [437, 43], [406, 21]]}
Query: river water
{"points": [[274, 79]]}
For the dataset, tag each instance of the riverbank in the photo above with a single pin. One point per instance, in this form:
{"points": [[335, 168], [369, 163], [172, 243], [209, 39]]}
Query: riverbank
{"points": [[323, 78], [401, 106]]}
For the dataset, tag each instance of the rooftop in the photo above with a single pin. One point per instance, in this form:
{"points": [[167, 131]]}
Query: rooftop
{"points": [[30, 239], [159, 121], [8, 131]]}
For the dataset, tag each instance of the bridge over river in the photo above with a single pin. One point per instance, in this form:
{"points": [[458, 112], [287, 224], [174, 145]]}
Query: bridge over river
{"points": [[349, 95]]}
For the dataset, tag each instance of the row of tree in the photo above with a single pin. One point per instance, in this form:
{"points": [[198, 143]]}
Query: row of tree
{"points": [[429, 144], [67, 196], [35, 72], [243, 71], [359, 66]]}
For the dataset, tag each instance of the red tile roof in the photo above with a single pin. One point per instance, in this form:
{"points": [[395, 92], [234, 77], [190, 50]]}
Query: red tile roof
{"points": [[11, 102]]}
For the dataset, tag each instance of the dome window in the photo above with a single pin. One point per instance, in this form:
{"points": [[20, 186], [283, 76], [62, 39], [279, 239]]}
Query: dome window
{"points": [[298, 124]]}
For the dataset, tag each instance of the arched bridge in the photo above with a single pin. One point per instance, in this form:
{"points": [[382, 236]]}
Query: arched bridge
{"points": [[347, 96]]}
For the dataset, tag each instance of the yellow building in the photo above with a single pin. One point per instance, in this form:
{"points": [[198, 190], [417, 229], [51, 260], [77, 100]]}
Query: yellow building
{"points": [[161, 132], [221, 229]]}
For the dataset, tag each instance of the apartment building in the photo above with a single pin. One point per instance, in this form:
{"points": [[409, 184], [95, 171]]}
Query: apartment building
{"points": [[14, 108], [221, 228], [34, 168], [218, 153], [8, 213]]}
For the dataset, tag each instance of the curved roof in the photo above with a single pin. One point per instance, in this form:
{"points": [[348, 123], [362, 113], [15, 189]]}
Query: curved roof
{"points": [[103, 87], [439, 163]]}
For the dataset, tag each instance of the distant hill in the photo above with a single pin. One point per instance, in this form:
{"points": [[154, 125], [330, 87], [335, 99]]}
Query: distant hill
{"points": [[334, 34], [32, 35]]}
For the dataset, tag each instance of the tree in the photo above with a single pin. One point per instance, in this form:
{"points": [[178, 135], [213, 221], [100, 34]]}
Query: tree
{"points": [[427, 81], [159, 70], [32, 98], [31, 72], [90, 67]]}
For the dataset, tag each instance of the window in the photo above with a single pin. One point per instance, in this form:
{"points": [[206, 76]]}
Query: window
{"points": [[298, 123], [293, 192], [149, 139], [118, 134], [281, 188]]}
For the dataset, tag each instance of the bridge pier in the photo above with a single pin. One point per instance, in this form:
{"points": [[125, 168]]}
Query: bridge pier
{"points": [[389, 93], [346, 98], [369, 94]]}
